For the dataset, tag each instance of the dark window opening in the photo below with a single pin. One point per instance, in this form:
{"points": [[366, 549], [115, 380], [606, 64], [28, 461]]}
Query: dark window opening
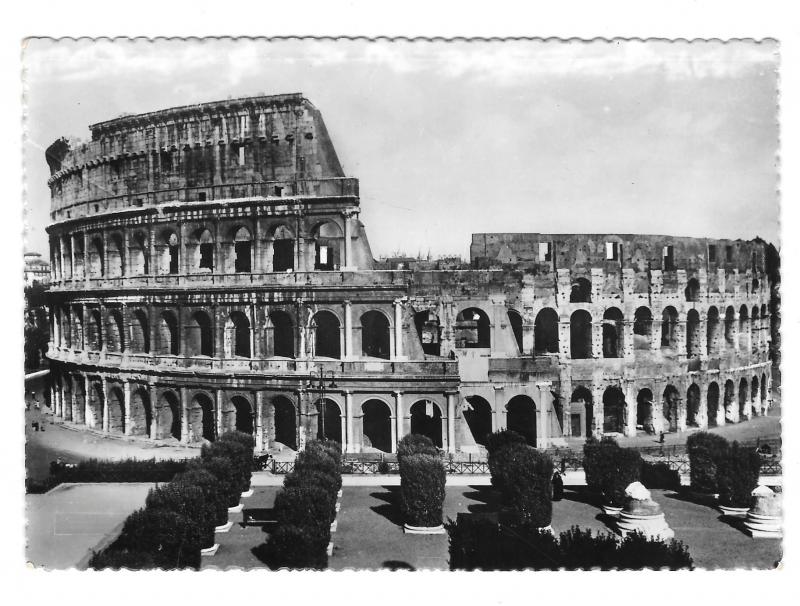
{"points": [[545, 331], [516, 326], [283, 255], [712, 253], [427, 325], [669, 258], [581, 291], [173, 259], [729, 253], [207, 256], [282, 334], [242, 262], [201, 196], [375, 335], [166, 161]]}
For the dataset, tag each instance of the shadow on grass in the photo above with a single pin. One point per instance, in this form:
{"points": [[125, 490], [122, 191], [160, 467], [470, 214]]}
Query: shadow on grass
{"points": [[397, 565], [391, 507], [258, 516], [689, 497], [610, 522], [581, 494], [734, 522], [488, 499], [262, 553]]}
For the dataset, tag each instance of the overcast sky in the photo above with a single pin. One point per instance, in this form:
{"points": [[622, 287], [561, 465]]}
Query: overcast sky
{"points": [[453, 138]]}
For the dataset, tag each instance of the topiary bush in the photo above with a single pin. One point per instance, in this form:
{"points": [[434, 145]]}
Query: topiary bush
{"points": [[317, 459], [188, 501], [659, 475], [610, 469], [295, 547], [316, 478], [705, 451], [737, 475], [330, 447], [224, 471], [307, 506], [248, 442], [237, 454], [422, 481], [526, 476], [415, 443], [213, 491], [494, 443]]}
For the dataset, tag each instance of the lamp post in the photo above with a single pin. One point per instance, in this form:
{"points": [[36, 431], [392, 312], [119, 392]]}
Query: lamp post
{"points": [[318, 380]]}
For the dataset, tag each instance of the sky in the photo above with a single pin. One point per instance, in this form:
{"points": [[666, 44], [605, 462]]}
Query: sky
{"points": [[454, 138]]}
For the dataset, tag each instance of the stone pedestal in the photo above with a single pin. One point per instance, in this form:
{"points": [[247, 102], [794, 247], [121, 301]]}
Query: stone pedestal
{"points": [[642, 514], [765, 518]]}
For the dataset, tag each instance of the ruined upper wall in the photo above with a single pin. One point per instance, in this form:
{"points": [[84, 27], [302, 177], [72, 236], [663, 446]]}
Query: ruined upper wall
{"points": [[613, 252], [279, 139]]}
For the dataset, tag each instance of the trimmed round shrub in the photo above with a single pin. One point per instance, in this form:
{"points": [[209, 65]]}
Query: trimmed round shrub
{"points": [[315, 478], [189, 501], [422, 481], [331, 447], [222, 468], [307, 506], [237, 454], [117, 559], [317, 460], [526, 476], [659, 475], [172, 540], [212, 491], [494, 443], [295, 547], [737, 476], [416, 443], [705, 451], [610, 469]]}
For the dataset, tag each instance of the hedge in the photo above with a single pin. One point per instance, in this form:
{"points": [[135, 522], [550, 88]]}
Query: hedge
{"points": [[241, 459], [316, 478], [212, 491], [422, 481], [659, 475], [224, 471], [481, 542], [705, 451], [415, 443], [610, 469], [295, 547], [526, 477], [188, 501], [318, 460], [494, 443], [126, 470], [737, 475]]}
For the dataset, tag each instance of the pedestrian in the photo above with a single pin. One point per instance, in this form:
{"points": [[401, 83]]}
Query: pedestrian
{"points": [[558, 487], [661, 438]]}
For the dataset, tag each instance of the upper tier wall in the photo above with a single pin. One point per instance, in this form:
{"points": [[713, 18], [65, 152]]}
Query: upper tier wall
{"points": [[259, 139]]}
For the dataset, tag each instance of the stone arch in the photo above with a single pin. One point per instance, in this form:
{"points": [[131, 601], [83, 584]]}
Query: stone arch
{"points": [[613, 410], [744, 328], [743, 392], [478, 415], [375, 342], [377, 423], [429, 331], [199, 335], [237, 336], [730, 323], [138, 255], [201, 419], [545, 331], [140, 332], [242, 415], [515, 319], [693, 335], [326, 335], [96, 405], [712, 403], [669, 325], [754, 330], [115, 331], [581, 291], [116, 410], [693, 405], [329, 420], [754, 387], [580, 335], [644, 410], [712, 331], [115, 255], [692, 291], [282, 248], [642, 328], [280, 335], [763, 393], [242, 250], [426, 419], [202, 251], [473, 329], [79, 409], [613, 343], [583, 396], [728, 401], [284, 420], [521, 417], [141, 413], [168, 342], [167, 252], [669, 407], [327, 236], [96, 268], [94, 331]]}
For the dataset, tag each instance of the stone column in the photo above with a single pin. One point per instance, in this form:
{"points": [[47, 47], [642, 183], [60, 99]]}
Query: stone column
{"points": [[86, 258], [399, 414], [301, 328], [349, 445], [72, 256], [597, 339], [542, 422], [87, 410], [301, 420], [348, 330], [269, 255], [104, 383], [219, 398], [627, 339], [125, 252], [451, 422], [258, 399], [126, 392], [348, 244], [105, 254], [630, 406], [257, 264], [154, 411], [499, 417], [184, 415], [394, 420], [680, 337], [597, 409], [702, 402], [398, 329], [152, 262]]}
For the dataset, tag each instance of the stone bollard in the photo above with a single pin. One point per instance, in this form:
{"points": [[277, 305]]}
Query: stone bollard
{"points": [[642, 514], [765, 518]]}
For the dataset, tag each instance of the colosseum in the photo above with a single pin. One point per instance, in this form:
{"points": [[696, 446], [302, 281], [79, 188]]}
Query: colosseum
{"points": [[210, 271]]}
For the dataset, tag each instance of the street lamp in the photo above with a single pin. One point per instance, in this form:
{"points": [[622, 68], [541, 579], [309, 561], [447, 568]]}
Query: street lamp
{"points": [[318, 381]]}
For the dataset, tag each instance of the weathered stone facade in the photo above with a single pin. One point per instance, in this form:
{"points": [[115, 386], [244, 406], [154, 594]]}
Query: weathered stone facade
{"points": [[208, 263]]}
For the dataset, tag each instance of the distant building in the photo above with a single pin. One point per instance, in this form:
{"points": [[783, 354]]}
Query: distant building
{"points": [[37, 270]]}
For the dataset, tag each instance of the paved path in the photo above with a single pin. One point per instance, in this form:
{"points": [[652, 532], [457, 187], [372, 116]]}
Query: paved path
{"points": [[65, 524]]}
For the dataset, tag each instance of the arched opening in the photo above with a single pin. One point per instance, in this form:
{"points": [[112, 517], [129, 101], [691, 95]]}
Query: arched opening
{"points": [[377, 425], [743, 399], [203, 243], [545, 331], [612, 333], [67, 401], [141, 413], [581, 291], [77, 329], [692, 405], [754, 408], [79, 271], [95, 331], [96, 402], [96, 267], [763, 393], [116, 257], [712, 327], [644, 410], [744, 329], [237, 335], [242, 251], [285, 422], [728, 402], [79, 409], [516, 327], [326, 332], [583, 398], [201, 419], [730, 324], [168, 252], [282, 335], [199, 335], [427, 324], [138, 261], [580, 335], [243, 415], [712, 404], [669, 324], [754, 331], [115, 332], [66, 326], [375, 335], [478, 415], [613, 410], [329, 420], [426, 419], [693, 336], [116, 411], [642, 328], [282, 249], [473, 329], [521, 417], [168, 334], [670, 403], [140, 332], [327, 246], [692, 291]]}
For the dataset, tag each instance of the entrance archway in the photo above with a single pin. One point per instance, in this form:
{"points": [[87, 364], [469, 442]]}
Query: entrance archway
{"points": [[243, 420], [377, 422], [473, 328], [329, 420], [201, 419], [712, 404], [692, 405], [116, 411], [478, 415], [199, 337], [285, 422], [168, 416], [545, 331], [326, 335], [282, 335], [375, 335], [612, 333], [669, 323], [521, 417], [141, 413], [644, 410], [580, 335], [427, 324], [237, 335], [583, 397], [426, 419], [670, 408], [743, 399], [613, 410], [729, 396]]}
